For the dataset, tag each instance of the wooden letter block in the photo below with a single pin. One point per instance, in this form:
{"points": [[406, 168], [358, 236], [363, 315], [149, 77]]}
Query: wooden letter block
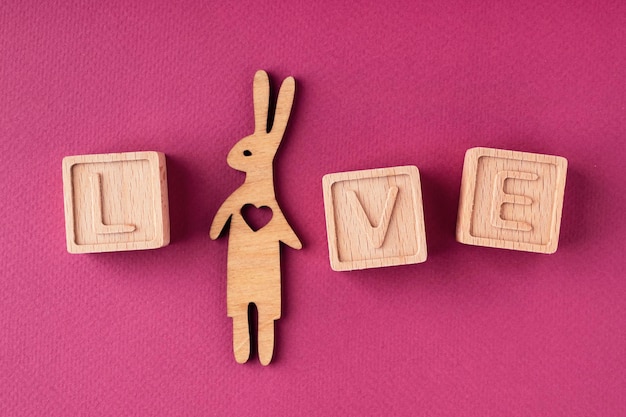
{"points": [[511, 200], [115, 202], [374, 218]]}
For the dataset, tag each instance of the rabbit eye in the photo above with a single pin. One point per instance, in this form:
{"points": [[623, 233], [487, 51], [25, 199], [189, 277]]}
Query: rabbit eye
{"points": [[247, 153]]}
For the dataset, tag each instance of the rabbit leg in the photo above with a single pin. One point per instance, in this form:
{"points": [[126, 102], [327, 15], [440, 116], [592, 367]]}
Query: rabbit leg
{"points": [[266, 338], [241, 337]]}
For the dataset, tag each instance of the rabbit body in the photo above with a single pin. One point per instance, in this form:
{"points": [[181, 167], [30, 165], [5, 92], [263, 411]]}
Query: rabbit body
{"points": [[254, 257]]}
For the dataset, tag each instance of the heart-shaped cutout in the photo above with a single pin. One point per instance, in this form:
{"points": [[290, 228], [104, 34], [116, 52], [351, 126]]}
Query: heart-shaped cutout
{"points": [[256, 217]]}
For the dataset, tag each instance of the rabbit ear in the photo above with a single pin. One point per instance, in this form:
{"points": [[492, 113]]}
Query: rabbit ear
{"points": [[283, 106], [261, 97]]}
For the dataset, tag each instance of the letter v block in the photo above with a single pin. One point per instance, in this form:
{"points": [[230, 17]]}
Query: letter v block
{"points": [[511, 200], [374, 218], [115, 202]]}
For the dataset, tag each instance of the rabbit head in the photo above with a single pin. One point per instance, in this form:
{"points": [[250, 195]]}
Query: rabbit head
{"points": [[258, 150]]}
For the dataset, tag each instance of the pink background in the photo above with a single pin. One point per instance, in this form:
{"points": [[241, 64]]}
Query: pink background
{"points": [[472, 332]]}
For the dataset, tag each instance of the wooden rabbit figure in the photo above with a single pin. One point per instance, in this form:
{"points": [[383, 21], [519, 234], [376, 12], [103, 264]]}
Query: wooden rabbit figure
{"points": [[254, 256]]}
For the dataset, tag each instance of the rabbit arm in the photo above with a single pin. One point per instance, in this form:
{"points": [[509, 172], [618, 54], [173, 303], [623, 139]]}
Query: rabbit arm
{"points": [[290, 239], [286, 233], [222, 216]]}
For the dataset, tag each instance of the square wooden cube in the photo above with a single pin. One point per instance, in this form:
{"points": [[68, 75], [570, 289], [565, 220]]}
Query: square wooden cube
{"points": [[511, 200], [115, 202], [374, 218]]}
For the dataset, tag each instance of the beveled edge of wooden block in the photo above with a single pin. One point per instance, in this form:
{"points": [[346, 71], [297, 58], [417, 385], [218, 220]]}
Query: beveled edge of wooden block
{"points": [[158, 169], [327, 182], [468, 188]]}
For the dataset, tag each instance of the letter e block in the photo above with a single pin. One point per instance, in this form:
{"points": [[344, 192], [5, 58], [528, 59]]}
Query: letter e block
{"points": [[115, 202], [511, 200], [374, 218]]}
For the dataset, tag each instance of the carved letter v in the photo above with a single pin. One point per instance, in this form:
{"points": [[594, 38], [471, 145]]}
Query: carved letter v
{"points": [[376, 234]]}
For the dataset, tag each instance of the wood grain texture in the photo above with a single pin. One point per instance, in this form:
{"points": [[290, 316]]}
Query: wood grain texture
{"points": [[254, 256], [511, 200], [115, 202], [374, 218]]}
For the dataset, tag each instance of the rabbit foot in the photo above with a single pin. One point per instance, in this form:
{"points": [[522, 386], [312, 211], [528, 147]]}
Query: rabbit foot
{"points": [[266, 341], [241, 338]]}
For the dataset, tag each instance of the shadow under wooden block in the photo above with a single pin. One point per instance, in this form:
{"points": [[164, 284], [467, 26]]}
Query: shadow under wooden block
{"points": [[511, 200], [115, 202], [374, 218]]}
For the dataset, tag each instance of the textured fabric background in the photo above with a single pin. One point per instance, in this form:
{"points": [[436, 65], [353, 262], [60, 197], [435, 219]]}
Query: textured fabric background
{"points": [[472, 332]]}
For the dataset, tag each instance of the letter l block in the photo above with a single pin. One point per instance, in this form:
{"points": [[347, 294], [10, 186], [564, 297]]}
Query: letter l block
{"points": [[115, 202]]}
